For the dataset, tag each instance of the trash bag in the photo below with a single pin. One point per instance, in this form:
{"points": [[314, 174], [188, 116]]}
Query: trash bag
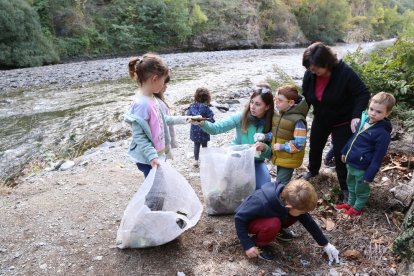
{"points": [[227, 177], [164, 206]]}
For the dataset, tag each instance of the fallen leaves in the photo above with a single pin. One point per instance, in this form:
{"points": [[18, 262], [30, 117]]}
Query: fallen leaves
{"points": [[352, 254], [328, 224]]}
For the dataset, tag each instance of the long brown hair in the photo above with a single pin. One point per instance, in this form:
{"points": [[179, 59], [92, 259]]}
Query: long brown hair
{"points": [[265, 92]]}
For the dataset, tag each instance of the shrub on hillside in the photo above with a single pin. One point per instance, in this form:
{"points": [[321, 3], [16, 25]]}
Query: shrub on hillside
{"points": [[22, 43]]}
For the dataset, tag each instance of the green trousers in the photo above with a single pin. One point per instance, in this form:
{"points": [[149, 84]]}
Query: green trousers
{"points": [[358, 190], [284, 174]]}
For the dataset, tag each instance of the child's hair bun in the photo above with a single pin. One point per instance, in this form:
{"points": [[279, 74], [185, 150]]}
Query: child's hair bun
{"points": [[133, 61]]}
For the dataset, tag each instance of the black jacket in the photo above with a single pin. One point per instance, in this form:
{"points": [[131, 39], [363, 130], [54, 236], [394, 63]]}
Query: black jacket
{"points": [[266, 203], [345, 97]]}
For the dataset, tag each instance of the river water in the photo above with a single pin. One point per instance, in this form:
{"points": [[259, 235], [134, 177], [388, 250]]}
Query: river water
{"points": [[46, 110]]}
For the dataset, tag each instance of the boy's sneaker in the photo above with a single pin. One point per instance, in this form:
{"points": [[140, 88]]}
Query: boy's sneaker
{"points": [[353, 212], [196, 164], [285, 235], [265, 253], [344, 206]]}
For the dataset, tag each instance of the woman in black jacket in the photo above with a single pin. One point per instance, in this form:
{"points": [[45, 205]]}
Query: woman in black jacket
{"points": [[338, 97]]}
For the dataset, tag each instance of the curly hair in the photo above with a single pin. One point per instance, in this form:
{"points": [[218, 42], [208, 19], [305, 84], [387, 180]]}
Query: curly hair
{"points": [[202, 95]]}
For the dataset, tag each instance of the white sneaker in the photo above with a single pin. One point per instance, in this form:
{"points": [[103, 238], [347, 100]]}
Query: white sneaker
{"points": [[196, 164]]}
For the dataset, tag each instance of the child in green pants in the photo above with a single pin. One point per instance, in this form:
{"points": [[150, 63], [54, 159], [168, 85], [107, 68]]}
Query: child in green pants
{"points": [[365, 151]]}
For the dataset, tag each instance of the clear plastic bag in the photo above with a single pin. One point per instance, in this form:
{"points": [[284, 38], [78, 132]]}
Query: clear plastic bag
{"points": [[227, 177], [163, 208]]}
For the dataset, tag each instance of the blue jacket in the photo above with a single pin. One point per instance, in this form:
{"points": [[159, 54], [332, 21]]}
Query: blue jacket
{"points": [[266, 203], [366, 148], [196, 133]]}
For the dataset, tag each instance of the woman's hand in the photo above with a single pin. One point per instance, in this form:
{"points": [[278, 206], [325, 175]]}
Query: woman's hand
{"points": [[252, 252], [354, 124], [155, 163], [259, 146]]}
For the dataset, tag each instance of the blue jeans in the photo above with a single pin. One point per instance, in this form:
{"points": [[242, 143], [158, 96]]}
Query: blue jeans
{"points": [[262, 174], [145, 168]]}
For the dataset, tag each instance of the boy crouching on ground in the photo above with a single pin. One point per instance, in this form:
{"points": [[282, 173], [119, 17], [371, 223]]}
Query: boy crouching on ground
{"points": [[263, 214]]}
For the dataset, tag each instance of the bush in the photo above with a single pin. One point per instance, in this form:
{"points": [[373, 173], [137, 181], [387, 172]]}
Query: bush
{"points": [[22, 43], [323, 20], [390, 70]]}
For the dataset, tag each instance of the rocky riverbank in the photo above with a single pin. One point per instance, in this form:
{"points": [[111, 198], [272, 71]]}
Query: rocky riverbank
{"points": [[64, 222]]}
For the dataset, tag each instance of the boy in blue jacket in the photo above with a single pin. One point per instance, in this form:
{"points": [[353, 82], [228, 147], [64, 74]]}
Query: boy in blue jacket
{"points": [[263, 214], [365, 151]]}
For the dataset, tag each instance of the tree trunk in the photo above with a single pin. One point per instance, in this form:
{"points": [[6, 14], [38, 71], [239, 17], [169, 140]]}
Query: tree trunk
{"points": [[404, 243]]}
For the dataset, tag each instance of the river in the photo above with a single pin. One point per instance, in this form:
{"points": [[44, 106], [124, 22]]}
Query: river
{"points": [[46, 110]]}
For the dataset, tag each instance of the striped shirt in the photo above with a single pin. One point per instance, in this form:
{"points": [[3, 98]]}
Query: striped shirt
{"points": [[299, 139]]}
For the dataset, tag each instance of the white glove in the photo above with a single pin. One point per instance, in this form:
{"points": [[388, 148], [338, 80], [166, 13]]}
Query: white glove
{"points": [[259, 137], [333, 253]]}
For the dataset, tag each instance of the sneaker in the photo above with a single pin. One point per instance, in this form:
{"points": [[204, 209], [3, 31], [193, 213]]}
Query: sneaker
{"points": [[309, 175], [285, 235], [353, 212], [265, 253], [344, 206], [330, 163], [196, 164]]}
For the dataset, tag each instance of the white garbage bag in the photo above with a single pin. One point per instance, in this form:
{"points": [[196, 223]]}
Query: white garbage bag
{"points": [[227, 177], [164, 206]]}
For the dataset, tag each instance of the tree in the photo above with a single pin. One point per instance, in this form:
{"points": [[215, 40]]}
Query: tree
{"points": [[22, 43], [323, 20]]}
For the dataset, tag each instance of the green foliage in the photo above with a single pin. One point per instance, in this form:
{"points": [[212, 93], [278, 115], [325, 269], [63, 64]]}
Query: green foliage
{"points": [[277, 23], [375, 19], [408, 25], [323, 20], [22, 42], [177, 19], [76, 28], [390, 70], [224, 16], [386, 22]]}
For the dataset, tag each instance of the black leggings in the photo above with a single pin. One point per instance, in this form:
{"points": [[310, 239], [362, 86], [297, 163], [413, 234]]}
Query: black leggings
{"points": [[197, 148], [318, 137]]}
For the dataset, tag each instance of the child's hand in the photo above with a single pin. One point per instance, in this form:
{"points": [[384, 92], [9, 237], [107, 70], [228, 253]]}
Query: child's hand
{"points": [[252, 252], [155, 163], [333, 253], [277, 146], [343, 158], [195, 120]]}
